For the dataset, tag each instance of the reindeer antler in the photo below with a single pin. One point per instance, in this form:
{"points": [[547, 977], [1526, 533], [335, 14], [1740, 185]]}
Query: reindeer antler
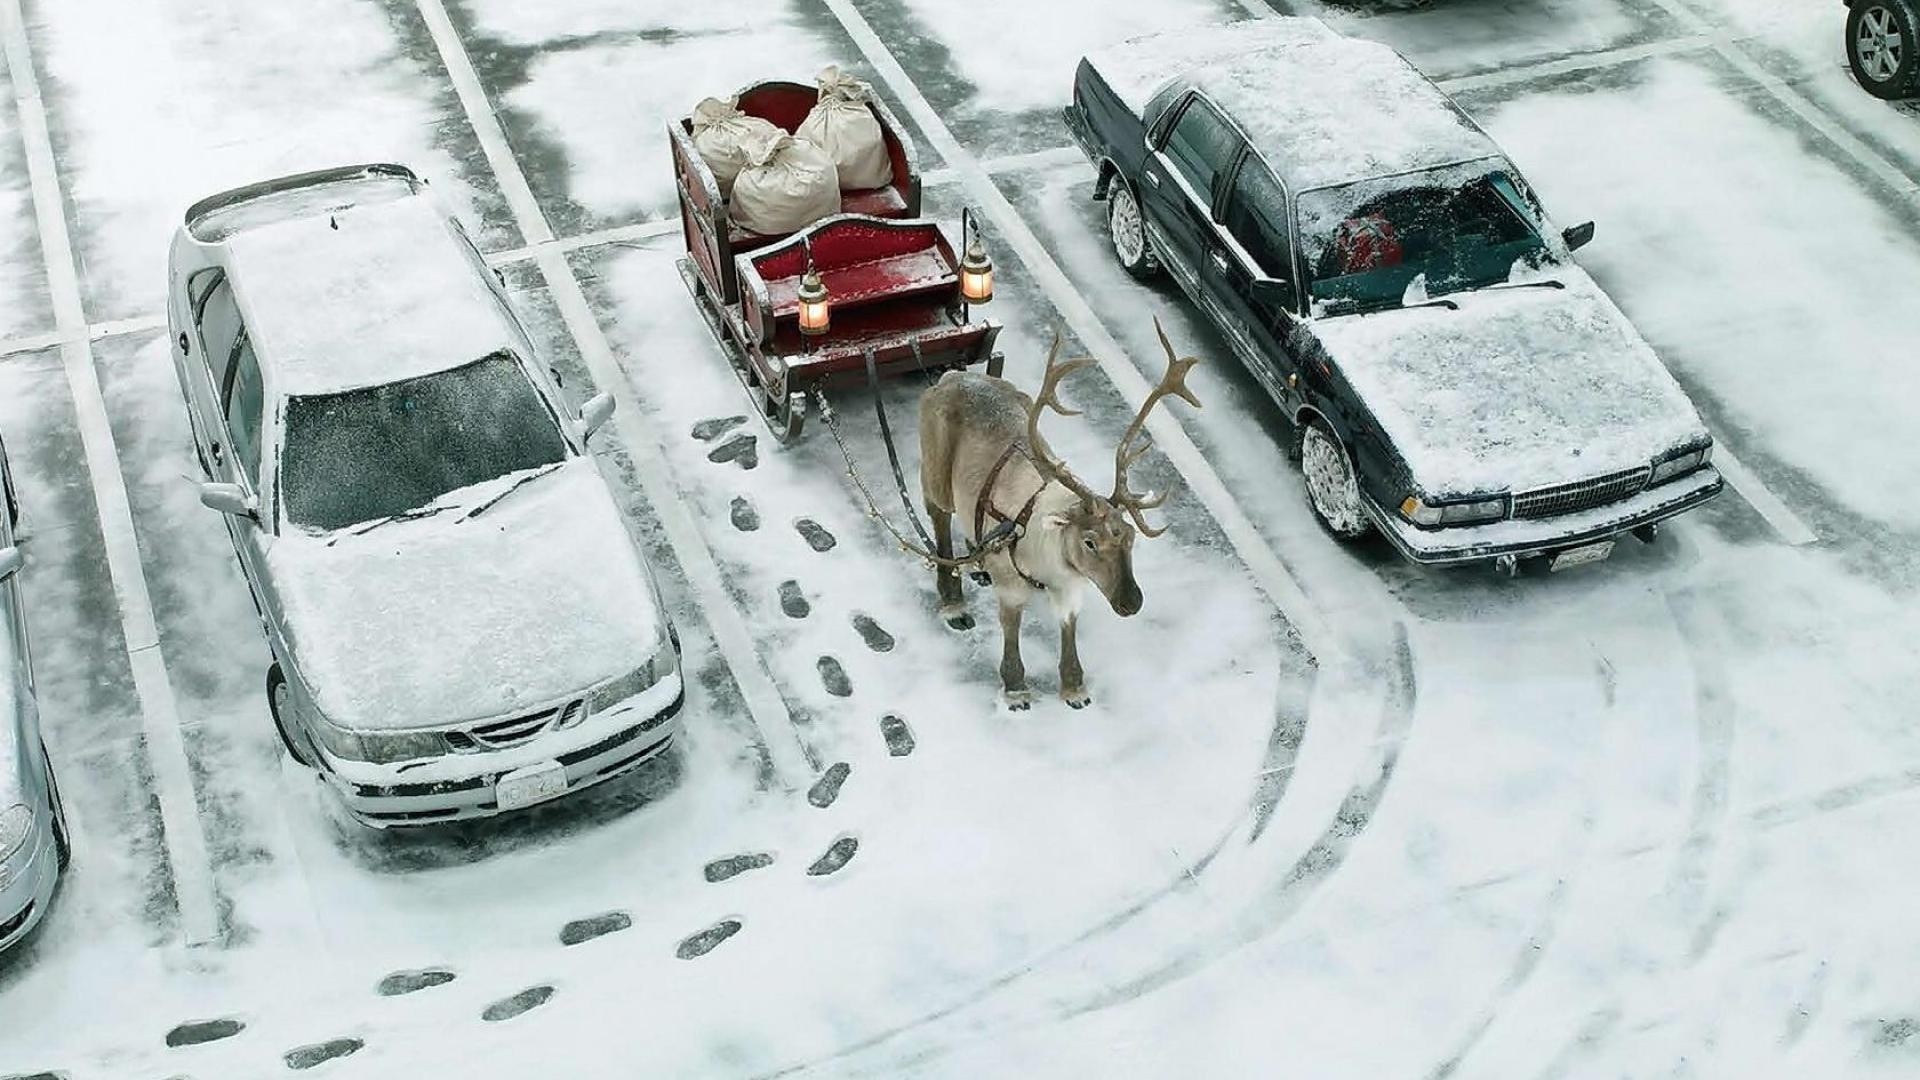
{"points": [[1049, 398], [1173, 382]]}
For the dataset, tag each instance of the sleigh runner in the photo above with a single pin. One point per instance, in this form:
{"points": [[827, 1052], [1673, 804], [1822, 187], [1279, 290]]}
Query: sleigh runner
{"points": [[870, 292]]}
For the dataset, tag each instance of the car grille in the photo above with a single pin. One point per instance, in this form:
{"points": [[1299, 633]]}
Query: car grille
{"points": [[1580, 495], [513, 732]]}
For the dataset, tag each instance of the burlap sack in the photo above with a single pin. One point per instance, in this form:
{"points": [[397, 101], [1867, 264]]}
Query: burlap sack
{"points": [[722, 134], [845, 127], [787, 184]]}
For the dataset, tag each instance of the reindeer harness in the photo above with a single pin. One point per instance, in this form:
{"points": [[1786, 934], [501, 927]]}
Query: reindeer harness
{"points": [[983, 508]]}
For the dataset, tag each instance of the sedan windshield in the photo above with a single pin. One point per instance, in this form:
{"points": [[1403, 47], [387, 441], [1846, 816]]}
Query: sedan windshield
{"points": [[385, 450], [1459, 227]]}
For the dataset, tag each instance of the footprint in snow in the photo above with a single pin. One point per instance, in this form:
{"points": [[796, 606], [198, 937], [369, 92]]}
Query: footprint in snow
{"points": [[898, 735], [826, 789], [408, 982], [707, 940], [734, 865], [872, 633], [744, 449], [708, 430], [36, 1076], [816, 537], [195, 1032], [793, 601], [306, 1057], [743, 515], [587, 929], [837, 855], [519, 1004], [834, 677]]}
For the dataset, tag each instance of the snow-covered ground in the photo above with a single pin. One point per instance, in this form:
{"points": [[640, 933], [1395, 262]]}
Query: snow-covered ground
{"points": [[1328, 816]]}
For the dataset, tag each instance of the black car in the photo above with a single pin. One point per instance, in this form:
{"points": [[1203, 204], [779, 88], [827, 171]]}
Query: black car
{"points": [[1456, 380], [1880, 46]]}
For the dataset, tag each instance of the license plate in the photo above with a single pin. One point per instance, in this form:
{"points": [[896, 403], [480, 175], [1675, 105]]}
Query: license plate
{"points": [[1580, 556], [529, 785]]}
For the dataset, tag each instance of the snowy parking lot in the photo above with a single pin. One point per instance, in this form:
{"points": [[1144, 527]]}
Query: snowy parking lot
{"points": [[1329, 814]]}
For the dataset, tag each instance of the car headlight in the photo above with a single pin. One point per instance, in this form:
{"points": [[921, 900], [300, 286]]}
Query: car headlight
{"points": [[663, 662], [380, 747], [16, 824], [1680, 464], [1430, 515]]}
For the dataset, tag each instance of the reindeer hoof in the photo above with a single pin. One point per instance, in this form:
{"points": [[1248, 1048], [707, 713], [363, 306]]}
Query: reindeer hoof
{"points": [[957, 618], [980, 578], [1019, 700], [1076, 699]]}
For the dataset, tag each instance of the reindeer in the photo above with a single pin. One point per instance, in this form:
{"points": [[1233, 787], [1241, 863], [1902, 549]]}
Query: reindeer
{"points": [[981, 454]]}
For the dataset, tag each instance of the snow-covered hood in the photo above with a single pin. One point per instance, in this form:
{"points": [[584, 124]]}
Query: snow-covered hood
{"points": [[437, 620], [1520, 388]]}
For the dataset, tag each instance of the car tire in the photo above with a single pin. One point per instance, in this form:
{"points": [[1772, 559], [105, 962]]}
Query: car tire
{"points": [[276, 693], [1882, 49], [1127, 232], [1333, 490]]}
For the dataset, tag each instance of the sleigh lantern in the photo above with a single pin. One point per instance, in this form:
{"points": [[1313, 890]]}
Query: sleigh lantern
{"points": [[870, 292]]}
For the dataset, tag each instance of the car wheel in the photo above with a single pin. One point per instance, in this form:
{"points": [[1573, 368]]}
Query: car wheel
{"points": [[1332, 489], [1128, 232], [1881, 48], [278, 702]]}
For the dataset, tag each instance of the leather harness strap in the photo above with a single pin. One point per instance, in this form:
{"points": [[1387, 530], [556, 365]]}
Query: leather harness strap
{"points": [[983, 507]]}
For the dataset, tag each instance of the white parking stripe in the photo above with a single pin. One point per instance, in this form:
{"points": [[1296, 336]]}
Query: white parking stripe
{"points": [[1784, 520], [186, 843], [762, 696], [1268, 571], [1567, 65]]}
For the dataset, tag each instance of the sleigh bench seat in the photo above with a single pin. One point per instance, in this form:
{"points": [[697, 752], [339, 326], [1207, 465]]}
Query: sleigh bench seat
{"points": [[864, 263]]}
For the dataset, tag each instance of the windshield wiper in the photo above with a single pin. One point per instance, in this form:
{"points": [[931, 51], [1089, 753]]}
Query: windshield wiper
{"points": [[405, 515], [510, 489], [1546, 283]]}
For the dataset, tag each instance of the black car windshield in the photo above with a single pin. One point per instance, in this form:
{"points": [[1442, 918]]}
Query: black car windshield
{"points": [[384, 450], [1461, 226]]}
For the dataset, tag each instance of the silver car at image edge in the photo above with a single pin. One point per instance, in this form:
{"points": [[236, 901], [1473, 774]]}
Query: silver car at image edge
{"points": [[460, 622], [34, 848]]}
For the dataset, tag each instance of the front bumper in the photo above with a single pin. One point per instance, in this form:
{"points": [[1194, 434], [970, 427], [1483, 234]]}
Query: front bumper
{"points": [[29, 888], [1477, 543], [460, 786]]}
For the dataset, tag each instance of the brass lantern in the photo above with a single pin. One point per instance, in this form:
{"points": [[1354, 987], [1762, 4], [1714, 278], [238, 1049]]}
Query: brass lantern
{"points": [[976, 270], [816, 309]]}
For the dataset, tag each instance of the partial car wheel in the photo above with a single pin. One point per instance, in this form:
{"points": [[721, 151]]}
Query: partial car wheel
{"points": [[278, 702], [1128, 231], [1881, 47], [1332, 489]]}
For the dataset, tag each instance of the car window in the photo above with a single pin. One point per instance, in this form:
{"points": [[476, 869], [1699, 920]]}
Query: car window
{"points": [[1200, 145], [383, 450], [218, 318], [1257, 218], [243, 404]]}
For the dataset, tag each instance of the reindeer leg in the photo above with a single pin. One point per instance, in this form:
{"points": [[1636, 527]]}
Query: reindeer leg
{"points": [[1073, 686], [1013, 673], [953, 608]]}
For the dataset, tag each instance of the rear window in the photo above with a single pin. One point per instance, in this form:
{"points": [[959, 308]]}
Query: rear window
{"points": [[385, 450]]}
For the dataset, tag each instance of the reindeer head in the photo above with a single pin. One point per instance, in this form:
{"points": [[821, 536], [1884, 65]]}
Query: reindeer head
{"points": [[1096, 531]]}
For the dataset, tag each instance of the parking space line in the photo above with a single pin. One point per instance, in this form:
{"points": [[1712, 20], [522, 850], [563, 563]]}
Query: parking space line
{"points": [[762, 695], [184, 840], [1567, 65], [1784, 521], [1272, 575]]}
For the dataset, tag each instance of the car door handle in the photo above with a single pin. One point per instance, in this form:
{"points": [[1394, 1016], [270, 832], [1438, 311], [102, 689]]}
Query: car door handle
{"points": [[1151, 177], [219, 457], [1218, 259]]}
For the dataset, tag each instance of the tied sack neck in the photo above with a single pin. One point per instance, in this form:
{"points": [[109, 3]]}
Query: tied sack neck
{"points": [[837, 85]]}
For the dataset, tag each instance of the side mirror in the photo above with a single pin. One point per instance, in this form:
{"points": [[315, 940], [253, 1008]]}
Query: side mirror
{"points": [[595, 413], [1273, 291], [1578, 236], [229, 499], [11, 560]]}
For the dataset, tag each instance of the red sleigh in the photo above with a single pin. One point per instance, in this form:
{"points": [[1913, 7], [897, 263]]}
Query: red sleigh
{"points": [[892, 281]]}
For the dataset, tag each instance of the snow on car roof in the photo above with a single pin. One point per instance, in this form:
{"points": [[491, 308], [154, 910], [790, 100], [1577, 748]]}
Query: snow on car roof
{"points": [[1137, 67], [1336, 110], [363, 296]]}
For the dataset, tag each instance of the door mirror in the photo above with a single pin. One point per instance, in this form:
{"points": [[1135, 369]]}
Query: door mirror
{"points": [[1272, 292], [595, 413], [1578, 236], [229, 499], [11, 560]]}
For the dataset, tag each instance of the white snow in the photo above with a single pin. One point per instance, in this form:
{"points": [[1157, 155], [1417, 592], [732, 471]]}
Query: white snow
{"points": [[364, 296], [425, 623], [1135, 68], [1517, 389]]}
